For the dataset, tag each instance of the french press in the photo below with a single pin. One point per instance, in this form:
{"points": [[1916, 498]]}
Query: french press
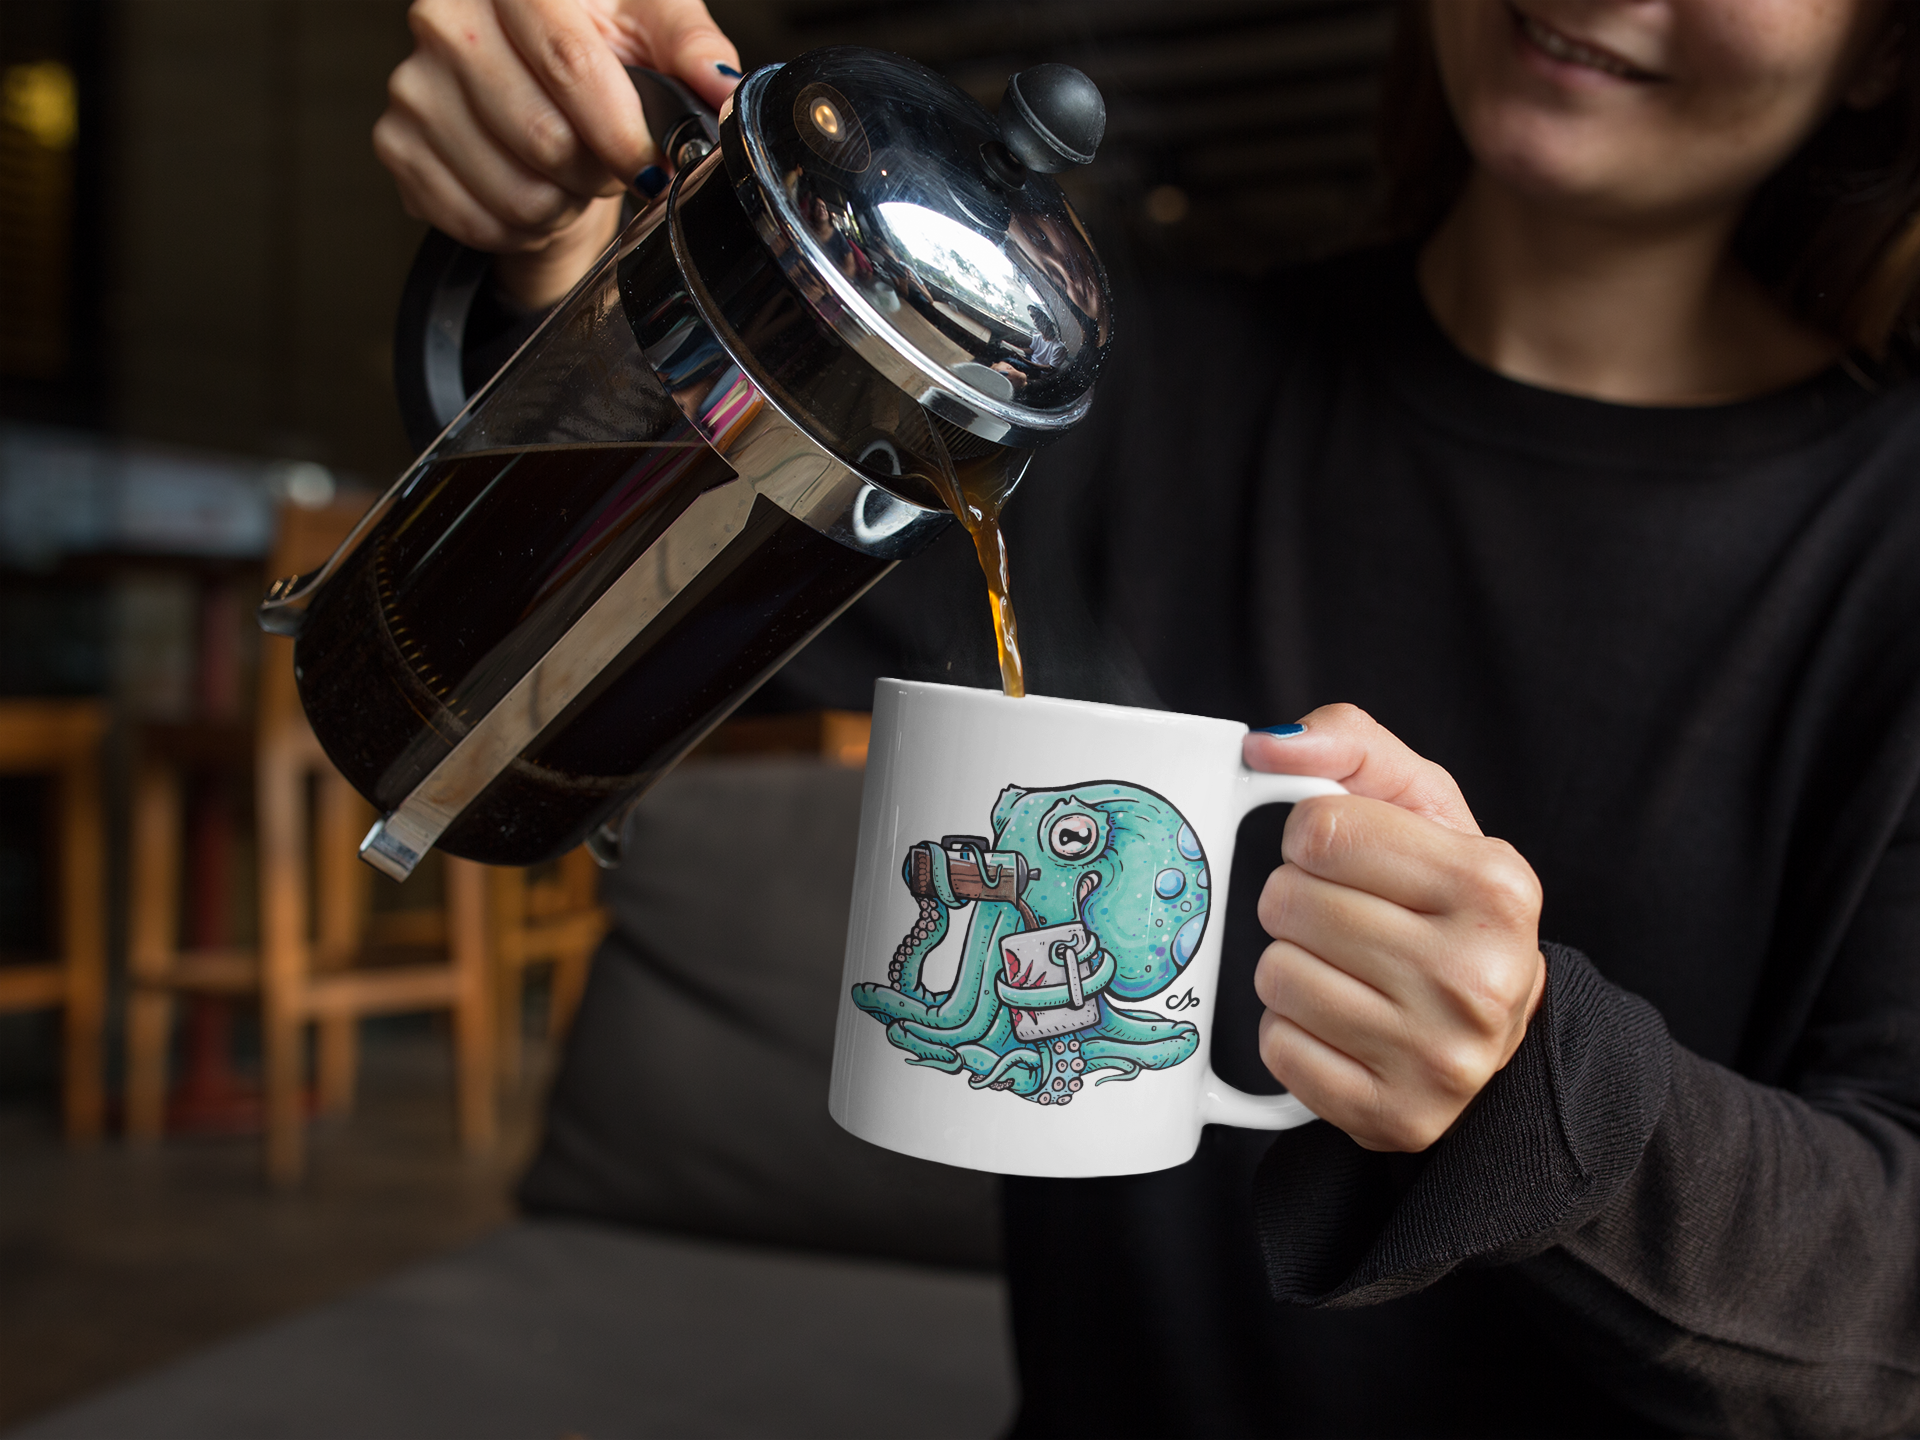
{"points": [[857, 286]]}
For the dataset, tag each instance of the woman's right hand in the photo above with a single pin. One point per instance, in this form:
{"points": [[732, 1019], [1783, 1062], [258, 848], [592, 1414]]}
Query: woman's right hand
{"points": [[513, 127]]}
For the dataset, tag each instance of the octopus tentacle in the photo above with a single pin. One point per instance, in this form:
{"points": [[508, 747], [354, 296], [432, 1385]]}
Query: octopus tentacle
{"points": [[1129, 1041], [923, 1049], [1125, 1065], [992, 1070], [919, 942], [965, 1012]]}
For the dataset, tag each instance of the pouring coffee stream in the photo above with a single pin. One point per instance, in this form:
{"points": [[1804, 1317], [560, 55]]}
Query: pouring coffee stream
{"points": [[855, 312], [977, 506]]}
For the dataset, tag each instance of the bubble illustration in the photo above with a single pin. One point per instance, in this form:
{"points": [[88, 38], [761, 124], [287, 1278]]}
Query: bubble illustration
{"points": [[1187, 939]]}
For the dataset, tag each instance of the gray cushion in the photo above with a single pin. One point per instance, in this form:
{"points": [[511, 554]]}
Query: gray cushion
{"points": [[693, 1093], [549, 1328]]}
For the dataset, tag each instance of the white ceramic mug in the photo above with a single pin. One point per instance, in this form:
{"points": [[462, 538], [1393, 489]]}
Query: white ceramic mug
{"points": [[1034, 948]]}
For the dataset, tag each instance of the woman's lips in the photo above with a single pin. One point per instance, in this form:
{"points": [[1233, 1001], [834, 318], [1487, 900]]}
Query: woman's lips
{"points": [[1568, 51]]}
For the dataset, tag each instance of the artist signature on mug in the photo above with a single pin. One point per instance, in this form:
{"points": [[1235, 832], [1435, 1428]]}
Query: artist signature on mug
{"points": [[1185, 1000]]}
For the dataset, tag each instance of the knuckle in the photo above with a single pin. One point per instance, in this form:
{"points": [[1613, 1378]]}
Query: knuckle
{"points": [[1314, 833], [1412, 1135], [568, 57], [1269, 977], [1347, 716], [386, 140], [1509, 890], [1456, 1070], [1275, 896], [406, 85], [549, 139], [534, 207], [1273, 1048], [432, 23], [1391, 1123], [1485, 1006], [1433, 777]]}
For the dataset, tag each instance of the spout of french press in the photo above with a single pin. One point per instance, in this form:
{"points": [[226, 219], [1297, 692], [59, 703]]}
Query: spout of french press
{"points": [[1051, 118]]}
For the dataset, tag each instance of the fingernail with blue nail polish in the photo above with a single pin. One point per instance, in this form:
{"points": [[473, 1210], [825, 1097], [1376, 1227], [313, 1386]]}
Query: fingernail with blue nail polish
{"points": [[1281, 732], [726, 70], [651, 181]]}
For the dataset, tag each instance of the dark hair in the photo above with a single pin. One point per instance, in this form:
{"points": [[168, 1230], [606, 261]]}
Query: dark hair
{"points": [[1835, 231]]}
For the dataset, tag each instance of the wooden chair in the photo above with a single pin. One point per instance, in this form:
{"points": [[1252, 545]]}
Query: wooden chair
{"points": [[61, 739], [314, 918], [839, 737], [548, 915]]}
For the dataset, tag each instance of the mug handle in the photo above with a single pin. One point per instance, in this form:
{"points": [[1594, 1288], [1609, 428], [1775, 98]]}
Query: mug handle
{"points": [[1220, 1103]]}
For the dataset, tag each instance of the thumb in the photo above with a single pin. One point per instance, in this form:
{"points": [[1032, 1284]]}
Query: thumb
{"points": [[1344, 743], [680, 38]]}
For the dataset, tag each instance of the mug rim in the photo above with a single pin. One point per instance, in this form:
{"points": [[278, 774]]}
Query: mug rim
{"points": [[988, 695]]}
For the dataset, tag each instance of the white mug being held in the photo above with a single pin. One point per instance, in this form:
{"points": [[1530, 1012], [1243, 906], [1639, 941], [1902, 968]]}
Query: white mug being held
{"points": [[1034, 949]]}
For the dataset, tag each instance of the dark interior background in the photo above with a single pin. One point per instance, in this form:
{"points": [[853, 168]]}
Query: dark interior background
{"points": [[200, 261], [212, 256]]}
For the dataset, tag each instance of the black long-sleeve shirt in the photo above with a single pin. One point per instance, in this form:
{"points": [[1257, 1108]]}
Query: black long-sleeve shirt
{"points": [[1673, 655]]}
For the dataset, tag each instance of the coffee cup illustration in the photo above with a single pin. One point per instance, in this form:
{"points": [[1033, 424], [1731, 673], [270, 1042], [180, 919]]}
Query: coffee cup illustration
{"points": [[1048, 983]]}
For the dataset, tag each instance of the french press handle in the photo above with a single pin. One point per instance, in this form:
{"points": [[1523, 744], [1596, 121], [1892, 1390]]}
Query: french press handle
{"points": [[430, 333]]}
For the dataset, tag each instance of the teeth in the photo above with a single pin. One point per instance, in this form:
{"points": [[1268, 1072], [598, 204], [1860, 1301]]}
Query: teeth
{"points": [[1573, 52]]}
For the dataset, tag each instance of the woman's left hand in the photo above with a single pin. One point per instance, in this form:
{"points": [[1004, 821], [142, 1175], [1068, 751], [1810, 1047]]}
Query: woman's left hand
{"points": [[1405, 963]]}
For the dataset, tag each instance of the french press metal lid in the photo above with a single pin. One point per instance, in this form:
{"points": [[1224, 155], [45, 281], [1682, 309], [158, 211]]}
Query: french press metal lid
{"points": [[928, 234]]}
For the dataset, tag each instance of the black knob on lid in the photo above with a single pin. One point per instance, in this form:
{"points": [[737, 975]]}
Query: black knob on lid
{"points": [[1052, 118]]}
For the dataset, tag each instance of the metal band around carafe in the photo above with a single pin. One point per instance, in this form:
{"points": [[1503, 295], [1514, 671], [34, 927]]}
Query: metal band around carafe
{"points": [[771, 456]]}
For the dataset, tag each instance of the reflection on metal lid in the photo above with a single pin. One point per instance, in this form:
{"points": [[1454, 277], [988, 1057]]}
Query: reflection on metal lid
{"points": [[882, 210], [971, 266]]}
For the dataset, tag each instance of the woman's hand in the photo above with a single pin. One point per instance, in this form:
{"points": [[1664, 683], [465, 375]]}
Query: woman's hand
{"points": [[513, 128], [1405, 963]]}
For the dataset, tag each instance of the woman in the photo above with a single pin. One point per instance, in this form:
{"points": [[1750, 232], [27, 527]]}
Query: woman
{"points": [[1600, 491]]}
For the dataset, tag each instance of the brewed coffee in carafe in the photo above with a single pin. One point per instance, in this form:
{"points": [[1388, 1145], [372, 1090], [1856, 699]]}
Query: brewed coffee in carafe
{"points": [[855, 318]]}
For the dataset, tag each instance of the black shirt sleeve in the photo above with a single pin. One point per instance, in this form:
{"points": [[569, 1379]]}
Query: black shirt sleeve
{"points": [[1725, 1257]]}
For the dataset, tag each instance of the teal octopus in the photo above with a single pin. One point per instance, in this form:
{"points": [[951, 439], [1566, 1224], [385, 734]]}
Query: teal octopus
{"points": [[1104, 878]]}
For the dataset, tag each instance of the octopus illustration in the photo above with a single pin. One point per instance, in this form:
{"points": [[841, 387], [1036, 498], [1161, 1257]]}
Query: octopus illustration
{"points": [[1084, 896]]}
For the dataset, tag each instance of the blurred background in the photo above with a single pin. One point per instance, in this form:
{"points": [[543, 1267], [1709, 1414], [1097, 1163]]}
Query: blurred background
{"points": [[199, 266]]}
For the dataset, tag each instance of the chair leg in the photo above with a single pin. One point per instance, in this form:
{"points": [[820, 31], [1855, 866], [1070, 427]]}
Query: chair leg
{"points": [[569, 984], [341, 904], [337, 1063], [83, 926], [342, 883], [581, 876], [149, 1032], [474, 1035], [282, 1045], [153, 927], [284, 958], [509, 1005], [507, 890]]}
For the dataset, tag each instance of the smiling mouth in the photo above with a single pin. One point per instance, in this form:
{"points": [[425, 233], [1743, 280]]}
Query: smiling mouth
{"points": [[1569, 51]]}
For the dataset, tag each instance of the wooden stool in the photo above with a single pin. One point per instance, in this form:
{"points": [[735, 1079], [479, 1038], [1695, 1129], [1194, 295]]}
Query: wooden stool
{"points": [[550, 914], [314, 917], [61, 739]]}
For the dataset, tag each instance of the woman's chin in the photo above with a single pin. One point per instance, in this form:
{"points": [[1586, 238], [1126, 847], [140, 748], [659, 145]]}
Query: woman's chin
{"points": [[1563, 162]]}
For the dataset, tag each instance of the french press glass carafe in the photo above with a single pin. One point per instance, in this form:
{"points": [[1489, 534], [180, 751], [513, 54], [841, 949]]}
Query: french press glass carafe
{"points": [[743, 416]]}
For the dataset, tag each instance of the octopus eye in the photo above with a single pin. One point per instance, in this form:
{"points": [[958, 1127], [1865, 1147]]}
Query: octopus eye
{"points": [[1072, 837]]}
